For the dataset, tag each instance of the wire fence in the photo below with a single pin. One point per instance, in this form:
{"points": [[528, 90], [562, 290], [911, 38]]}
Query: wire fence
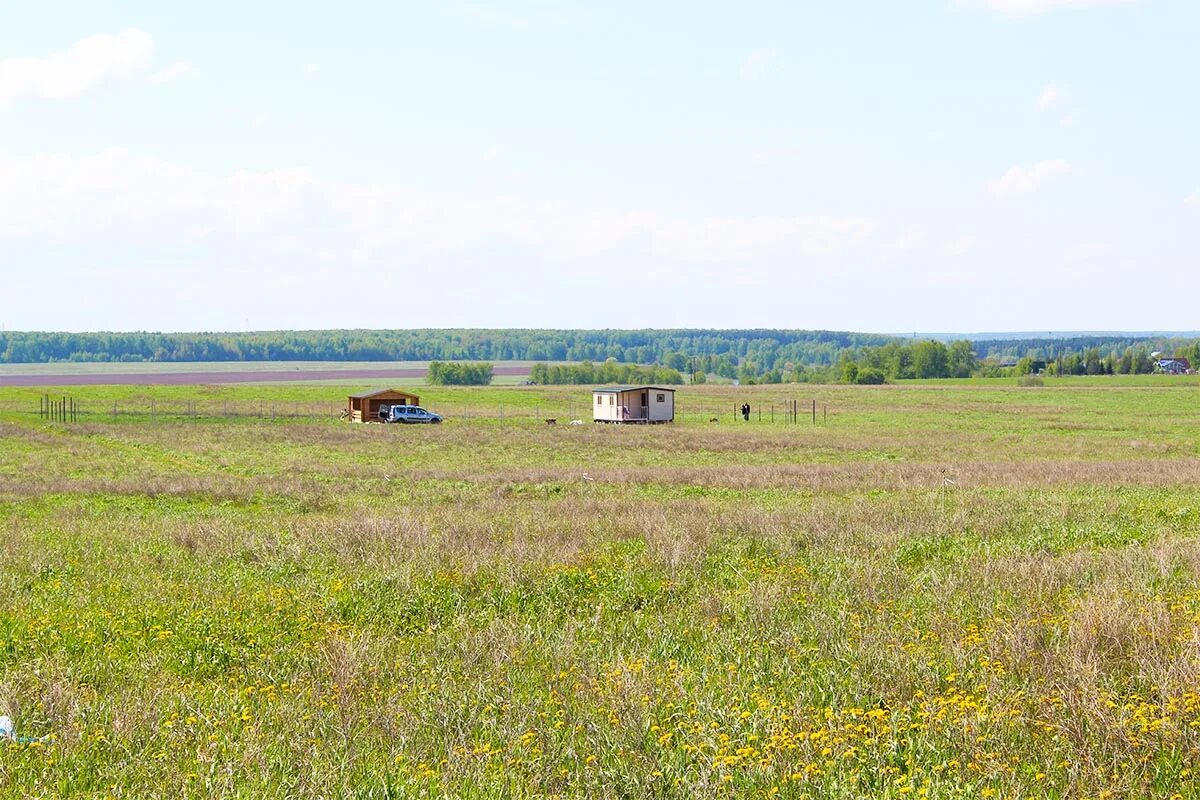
{"points": [[696, 409]]}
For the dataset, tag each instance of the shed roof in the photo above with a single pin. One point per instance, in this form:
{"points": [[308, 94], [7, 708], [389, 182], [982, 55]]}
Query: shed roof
{"points": [[619, 389], [378, 392]]}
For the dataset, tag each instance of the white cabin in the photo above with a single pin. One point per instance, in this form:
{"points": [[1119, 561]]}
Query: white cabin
{"points": [[633, 404]]}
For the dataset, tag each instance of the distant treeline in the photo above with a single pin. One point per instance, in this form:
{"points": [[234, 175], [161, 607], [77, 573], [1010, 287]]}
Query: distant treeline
{"points": [[458, 373], [749, 356], [766, 349], [896, 361], [932, 359], [608, 372], [1133, 360], [1049, 349]]}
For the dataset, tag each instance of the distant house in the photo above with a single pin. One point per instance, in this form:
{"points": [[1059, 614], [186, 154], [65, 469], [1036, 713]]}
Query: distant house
{"points": [[365, 406], [633, 404], [1173, 366]]}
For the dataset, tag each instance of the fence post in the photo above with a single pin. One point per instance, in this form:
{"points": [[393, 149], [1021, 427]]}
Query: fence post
{"points": [[814, 412]]}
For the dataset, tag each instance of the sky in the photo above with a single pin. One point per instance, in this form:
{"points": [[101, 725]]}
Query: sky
{"points": [[872, 165]]}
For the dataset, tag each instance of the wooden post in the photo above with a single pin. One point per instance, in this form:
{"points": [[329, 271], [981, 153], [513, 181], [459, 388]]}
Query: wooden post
{"points": [[772, 412], [814, 412]]}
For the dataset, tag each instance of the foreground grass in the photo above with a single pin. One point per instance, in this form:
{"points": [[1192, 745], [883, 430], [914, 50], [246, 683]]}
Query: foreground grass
{"points": [[240, 607]]}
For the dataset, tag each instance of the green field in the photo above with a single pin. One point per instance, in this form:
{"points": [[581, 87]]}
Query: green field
{"points": [[939, 590]]}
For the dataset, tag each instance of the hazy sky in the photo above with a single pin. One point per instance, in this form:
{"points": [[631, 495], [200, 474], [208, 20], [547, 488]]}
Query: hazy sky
{"points": [[866, 164]]}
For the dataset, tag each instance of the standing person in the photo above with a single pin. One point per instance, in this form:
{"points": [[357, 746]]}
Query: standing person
{"points": [[746, 411]]}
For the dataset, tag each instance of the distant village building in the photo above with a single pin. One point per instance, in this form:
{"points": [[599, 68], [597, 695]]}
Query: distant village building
{"points": [[633, 404], [1173, 366], [365, 406]]}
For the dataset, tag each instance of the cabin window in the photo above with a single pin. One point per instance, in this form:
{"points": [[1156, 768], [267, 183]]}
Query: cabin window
{"points": [[662, 398], [612, 399], [599, 399]]}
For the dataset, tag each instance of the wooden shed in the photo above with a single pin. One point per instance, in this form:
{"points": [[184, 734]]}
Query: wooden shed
{"points": [[364, 407], [633, 404]]}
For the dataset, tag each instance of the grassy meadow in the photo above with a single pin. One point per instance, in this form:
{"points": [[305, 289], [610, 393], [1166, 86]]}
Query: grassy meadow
{"points": [[939, 590]]}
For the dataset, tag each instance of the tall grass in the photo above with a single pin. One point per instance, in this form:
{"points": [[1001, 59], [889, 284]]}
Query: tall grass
{"points": [[950, 592]]}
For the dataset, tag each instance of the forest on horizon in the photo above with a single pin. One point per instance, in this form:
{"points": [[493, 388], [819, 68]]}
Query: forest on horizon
{"points": [[772, 355]]}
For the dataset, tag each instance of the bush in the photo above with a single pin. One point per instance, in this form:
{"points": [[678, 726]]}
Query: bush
{"points": [[1030, 380], [869, 376], [459, 373]]}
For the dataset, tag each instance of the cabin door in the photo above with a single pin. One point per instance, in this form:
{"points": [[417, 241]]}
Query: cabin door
{"points": [[645, 405]]}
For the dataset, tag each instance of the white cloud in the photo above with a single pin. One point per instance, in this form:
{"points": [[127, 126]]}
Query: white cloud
{"points": [[1020, 180], [171, 73], [1086, 251], [1029, 8], [164, 241], [260, 121], [311, 67], [1050, 96], [1192, 200], [118, 197], [963, 246], [86, 63], [1082, 259], [759, 63]]}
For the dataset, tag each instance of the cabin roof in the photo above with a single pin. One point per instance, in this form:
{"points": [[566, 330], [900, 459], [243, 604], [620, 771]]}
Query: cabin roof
{"points": [[378, 392], [619, 389]]}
